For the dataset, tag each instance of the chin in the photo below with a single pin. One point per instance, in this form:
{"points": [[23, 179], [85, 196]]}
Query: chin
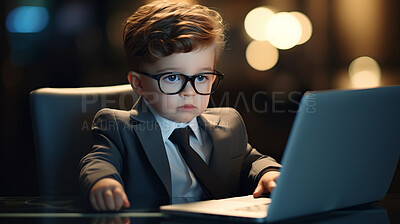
{"points": [[183, 118]]}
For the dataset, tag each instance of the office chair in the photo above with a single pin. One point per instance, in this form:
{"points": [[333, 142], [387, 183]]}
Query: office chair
{"points": [[61, 120]]}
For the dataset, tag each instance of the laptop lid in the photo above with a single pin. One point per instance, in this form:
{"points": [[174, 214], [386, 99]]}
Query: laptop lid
{"points": [[342, 151]]}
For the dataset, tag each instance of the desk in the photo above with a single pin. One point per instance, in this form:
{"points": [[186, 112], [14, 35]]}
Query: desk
{"points": [[71, 210]]}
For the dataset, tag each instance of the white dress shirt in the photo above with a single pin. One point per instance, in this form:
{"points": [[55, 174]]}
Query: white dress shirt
{"points": [[184, 183]]}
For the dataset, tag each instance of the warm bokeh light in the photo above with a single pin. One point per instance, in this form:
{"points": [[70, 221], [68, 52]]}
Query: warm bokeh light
{"points": [[283, 30], [261, 55], [365, 79], [306, 27], [364, 72], [256, 21], [188, 1], [27, 19]]}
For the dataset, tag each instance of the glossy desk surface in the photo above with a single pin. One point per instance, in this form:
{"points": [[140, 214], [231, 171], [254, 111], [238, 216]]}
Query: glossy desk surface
{"points": [[72, 210]]}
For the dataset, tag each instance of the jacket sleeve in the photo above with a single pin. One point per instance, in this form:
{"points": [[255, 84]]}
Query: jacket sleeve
{"points": [[257, 163], [254, 163], [105, 159]]}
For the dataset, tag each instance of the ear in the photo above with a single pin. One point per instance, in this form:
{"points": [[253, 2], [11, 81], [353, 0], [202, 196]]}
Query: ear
{"points": [[135, 80]]}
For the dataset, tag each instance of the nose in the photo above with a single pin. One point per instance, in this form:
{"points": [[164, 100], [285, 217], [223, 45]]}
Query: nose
{"points": [[188, 90]]}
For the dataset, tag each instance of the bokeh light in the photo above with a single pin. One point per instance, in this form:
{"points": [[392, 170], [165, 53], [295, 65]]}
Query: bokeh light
{"points": [[261, 55], [306, 27], [27, 19], [283, 30], [364, 72], [188, 1], [256, 22]]}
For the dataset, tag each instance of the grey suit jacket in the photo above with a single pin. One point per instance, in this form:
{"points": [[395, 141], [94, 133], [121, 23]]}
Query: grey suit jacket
{"points": [[128, 147]]}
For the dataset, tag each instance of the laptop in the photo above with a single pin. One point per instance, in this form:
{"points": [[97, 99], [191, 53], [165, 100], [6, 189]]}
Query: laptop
{"points": [[342, 151]]}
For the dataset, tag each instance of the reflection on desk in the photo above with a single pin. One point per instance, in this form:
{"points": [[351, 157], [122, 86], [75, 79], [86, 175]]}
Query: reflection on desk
{"points": [[72, 210], [363, 214]]}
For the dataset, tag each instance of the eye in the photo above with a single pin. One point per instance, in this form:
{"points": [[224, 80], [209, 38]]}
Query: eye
{"points": [[201, 78], [171, 78]]}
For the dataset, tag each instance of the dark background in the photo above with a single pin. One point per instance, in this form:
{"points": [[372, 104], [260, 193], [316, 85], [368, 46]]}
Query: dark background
{"points": [[82, 46]]}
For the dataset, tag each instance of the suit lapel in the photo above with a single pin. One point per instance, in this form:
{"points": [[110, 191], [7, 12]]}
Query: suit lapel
{"points": [[149, 134], [217, 131]]}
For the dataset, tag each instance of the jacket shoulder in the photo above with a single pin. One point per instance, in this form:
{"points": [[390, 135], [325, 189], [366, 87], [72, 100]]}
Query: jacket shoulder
{"points": [[108, 114], [225, 116], [223, 112]]}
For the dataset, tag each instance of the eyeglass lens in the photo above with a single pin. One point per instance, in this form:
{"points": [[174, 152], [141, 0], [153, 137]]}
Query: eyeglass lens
{"points": [[172, 83]]}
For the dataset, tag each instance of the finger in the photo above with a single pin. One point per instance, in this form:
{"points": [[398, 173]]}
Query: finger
{"points": [[276, 177], [114, 220], [118, 198], [93, 202], [126, 203], [271, 186], [258, 191], [126, 220], [118, 220], [100, 201], [109, 199]]}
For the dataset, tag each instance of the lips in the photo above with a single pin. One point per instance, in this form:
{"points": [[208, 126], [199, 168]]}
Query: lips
{"points": [[187, 107]]}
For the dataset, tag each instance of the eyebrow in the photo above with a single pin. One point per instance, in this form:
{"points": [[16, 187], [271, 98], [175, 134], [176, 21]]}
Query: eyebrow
{"points": [[205, 69], [166, 70]]}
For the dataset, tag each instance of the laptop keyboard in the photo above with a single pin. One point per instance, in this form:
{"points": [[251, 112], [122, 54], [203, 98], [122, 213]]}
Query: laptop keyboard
{"points": [[253, 208]]}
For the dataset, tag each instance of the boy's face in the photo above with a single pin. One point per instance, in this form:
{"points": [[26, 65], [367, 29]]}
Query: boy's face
{"points": [[187, 104]]}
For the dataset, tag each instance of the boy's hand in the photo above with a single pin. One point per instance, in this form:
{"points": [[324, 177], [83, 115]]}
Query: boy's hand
{"points": [[108, 194], [267, 183]]}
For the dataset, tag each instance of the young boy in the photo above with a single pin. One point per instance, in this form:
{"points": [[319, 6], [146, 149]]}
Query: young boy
{"points": [[172, 49]]}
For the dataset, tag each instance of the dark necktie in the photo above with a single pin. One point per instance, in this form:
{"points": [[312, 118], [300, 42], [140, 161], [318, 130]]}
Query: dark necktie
{"points": [[210, 183]]}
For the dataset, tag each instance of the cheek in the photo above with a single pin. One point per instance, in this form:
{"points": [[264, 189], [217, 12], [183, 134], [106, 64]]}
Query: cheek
{"points": [[152, 93], [204, 102], [153, 98], [150, 88], [165, 103], [169, 102]]}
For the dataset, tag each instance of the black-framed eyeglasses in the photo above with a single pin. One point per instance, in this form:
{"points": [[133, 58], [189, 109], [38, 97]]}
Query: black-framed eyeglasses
{"points": [[170, 83]]}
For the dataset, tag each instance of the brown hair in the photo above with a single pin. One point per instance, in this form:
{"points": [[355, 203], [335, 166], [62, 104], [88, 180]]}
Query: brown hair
{"points": [[162, 28]]}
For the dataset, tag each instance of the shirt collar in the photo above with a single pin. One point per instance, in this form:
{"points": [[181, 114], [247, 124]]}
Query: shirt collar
{"points": [[168, 126]]}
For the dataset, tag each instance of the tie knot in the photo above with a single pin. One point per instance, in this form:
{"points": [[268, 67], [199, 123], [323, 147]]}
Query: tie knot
{"points": [[180, 136]]}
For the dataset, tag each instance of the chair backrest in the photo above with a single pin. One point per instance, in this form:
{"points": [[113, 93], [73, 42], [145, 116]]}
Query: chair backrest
{"points": [[62, 119]]}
